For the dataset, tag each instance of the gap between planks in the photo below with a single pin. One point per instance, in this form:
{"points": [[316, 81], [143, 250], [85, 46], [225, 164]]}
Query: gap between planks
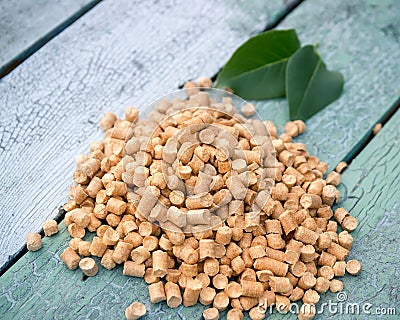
{"points": [[26, 53], [364, 141]]}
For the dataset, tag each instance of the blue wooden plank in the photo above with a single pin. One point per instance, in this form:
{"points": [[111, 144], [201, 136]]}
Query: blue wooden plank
{"points": [[26, 25]]}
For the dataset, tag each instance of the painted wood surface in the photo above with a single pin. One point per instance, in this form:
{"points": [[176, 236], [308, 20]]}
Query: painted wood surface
{"points": [[40, 284], [119, 53], [369, 190], [25, 25], [359, 39]]}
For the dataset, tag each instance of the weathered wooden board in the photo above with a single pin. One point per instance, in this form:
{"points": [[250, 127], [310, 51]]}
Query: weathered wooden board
{"points": [[121, 52], [370, 192], [25, 25], [360, 39], [39, 283]]}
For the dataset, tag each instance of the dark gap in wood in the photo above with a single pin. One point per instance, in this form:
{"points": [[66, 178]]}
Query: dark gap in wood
{"points": [[25, 54], [370, 135], [61, 212], [59, 217]]}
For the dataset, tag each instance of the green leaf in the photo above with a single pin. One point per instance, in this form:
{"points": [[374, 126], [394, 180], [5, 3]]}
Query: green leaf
{"points": [[257, 68], [310, 87]]}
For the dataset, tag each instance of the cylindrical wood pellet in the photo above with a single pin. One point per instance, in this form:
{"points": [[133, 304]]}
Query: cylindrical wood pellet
{"points": [[88, 267], [157, 292], [135, 311], [192, 292], [211, 314], [160, 263], [33, 241], [221, 301]]}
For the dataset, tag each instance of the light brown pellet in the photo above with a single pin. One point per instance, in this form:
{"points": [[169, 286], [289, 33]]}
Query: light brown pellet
{"points": [[234, 314], [377, 128], [310, 201], [207, 296], [192, 292], [131, 114], [221, 301], [341, 167], [110, 237], [345, 240], [298, 293], [307, 253], [349, 223], [326, 272], [88, 267], [157, 292], [80, 217], [149, 276], [74, 243], [280, 285], [333, 178], [305, 235], [223, 235], [282, 303], [278, 268], [140, 254], [291, 256], [160, 263], [220, 281], [307, 281], [135, 311], [108, 120], [307, 312], [33, 241], [256, 313], [252, 289], [211, 266], [116, 206], [233, 290], [338, 251], [76, 231], [107, 260], [122, 251], [211, 314], [70, 258], [329, 195], [50, 227], [353, 267], [173, 294], [339, 268], [326, 259], [133, 269], [336, 285], [84, 248], [322, 285], [311, 297]]}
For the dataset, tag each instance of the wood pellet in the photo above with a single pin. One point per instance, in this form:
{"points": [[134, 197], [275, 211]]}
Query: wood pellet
{"points": [[209, 206]]}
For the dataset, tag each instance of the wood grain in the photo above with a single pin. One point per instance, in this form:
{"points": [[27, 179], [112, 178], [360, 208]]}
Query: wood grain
{"points": [[25, 25], [355, 39], [40, 284], [120, 53]]}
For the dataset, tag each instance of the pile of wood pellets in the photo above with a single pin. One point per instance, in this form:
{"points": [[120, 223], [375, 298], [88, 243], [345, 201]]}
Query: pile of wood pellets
{"points": [[207, 206]]}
